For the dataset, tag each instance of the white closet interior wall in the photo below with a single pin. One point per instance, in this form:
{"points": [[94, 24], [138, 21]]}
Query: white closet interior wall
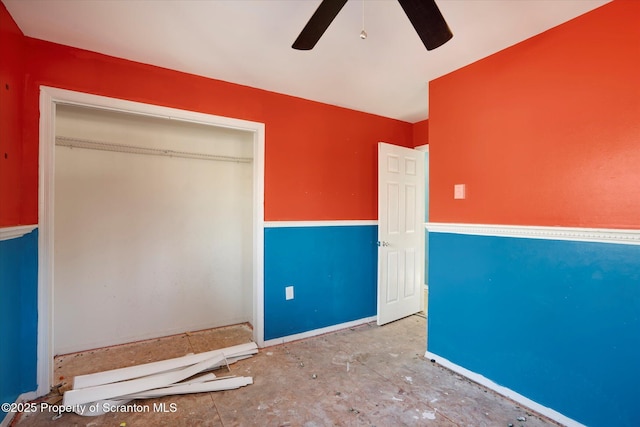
{"points": [[147, 245]]}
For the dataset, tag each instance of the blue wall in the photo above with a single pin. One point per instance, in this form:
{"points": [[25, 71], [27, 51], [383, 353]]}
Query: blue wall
{"points": [[556, 321], [18, 316], [334, 273]]}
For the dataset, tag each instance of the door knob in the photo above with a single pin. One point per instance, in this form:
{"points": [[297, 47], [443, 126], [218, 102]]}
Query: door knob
{"points": [[383, 244]]}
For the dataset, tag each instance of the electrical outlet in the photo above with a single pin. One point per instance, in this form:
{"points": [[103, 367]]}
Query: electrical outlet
{"points": [[288, 292]]}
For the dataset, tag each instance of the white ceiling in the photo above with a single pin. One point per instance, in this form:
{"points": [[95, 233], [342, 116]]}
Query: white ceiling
{"points": [[249, 42]]}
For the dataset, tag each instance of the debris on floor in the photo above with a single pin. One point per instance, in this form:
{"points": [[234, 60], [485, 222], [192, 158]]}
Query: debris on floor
{"points": [[285, 395], [111, 391]]}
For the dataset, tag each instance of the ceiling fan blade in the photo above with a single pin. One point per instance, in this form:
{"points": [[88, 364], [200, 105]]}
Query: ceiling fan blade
{"points": [[317, 25], [428, 22]]}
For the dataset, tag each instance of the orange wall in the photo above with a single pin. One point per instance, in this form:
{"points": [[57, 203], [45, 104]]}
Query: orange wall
{"points": [[11, 88], [546, 132], [421, 133], [320, 159]]}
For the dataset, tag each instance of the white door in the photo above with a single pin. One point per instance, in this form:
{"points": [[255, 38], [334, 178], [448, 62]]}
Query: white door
{"points": [[400, 231]]}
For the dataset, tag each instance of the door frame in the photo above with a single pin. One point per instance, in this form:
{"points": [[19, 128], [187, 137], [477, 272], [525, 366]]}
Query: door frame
{"points": [[425, 303], [49, 98]]}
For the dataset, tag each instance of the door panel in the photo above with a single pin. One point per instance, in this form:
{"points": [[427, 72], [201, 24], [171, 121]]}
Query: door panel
{"points": [[392, 277], [400, 236]]}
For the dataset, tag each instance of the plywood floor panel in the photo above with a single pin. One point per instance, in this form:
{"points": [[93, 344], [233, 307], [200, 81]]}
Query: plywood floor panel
{"points": [[362, 376]]}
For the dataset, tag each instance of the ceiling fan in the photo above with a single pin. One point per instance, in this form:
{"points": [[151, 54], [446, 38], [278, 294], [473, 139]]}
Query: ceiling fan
{"points": [[423, 14]]}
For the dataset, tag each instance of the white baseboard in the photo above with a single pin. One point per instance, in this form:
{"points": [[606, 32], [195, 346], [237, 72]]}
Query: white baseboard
{"points": [[24, 397], [504, 391], [316, 332]]}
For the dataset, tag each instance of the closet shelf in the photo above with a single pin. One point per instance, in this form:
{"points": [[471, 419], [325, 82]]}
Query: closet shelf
{"points": [[63, 141]]}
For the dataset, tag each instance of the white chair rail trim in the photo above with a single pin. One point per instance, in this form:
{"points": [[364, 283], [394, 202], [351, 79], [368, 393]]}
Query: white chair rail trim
{"points": [[599, 235], [7, 233]]}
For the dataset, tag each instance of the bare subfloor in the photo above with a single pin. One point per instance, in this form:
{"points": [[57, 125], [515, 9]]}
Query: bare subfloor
{"points": [[362, 376]]}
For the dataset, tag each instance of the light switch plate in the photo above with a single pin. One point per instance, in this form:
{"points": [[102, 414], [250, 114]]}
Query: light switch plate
{"points": [[459, 191], [288, 292]]}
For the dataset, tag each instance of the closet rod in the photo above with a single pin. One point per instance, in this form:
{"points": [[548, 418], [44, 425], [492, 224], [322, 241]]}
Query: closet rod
{"points": [[64, 141]]}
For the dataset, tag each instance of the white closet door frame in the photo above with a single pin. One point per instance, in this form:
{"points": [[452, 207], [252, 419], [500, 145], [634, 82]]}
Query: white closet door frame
{"points": [[49, 98]]}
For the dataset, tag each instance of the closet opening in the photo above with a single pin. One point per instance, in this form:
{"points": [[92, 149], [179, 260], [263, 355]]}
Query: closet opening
{"points": [[151, 223]]}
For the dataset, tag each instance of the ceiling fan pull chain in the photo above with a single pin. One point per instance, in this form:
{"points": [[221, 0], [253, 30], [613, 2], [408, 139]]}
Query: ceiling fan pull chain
{"points": [[363, 33]]}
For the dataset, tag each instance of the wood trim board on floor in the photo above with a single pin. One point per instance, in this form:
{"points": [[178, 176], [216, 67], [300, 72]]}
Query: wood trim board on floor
{"points": [[214, 385], [202, 384], [115, 387], [81, 396], [131, 372]]}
